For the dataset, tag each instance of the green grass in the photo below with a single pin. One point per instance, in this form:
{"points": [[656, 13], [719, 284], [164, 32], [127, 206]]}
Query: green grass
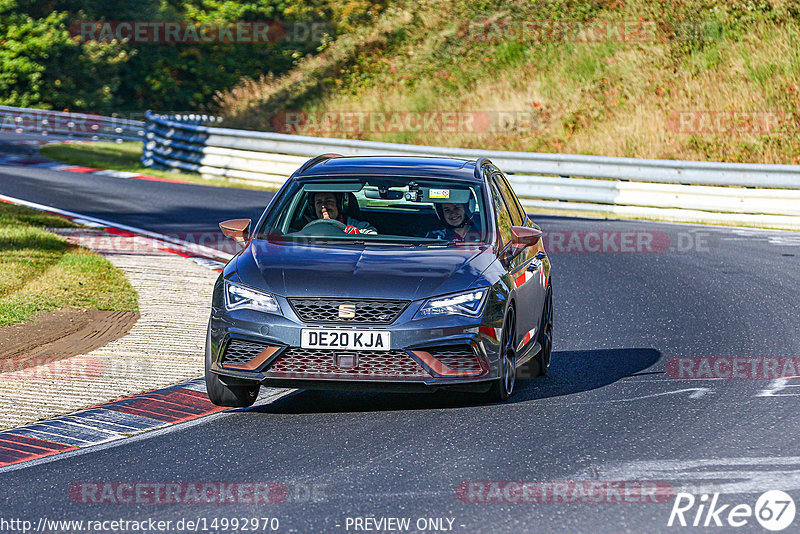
{"points": [[40, 271], [125, 157], [608, 97]]}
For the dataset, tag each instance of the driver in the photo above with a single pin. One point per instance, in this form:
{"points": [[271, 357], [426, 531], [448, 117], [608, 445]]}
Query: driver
{"points": [[330, 206], [459, 223]]}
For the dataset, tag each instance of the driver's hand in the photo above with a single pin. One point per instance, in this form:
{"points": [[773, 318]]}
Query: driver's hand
{"points": [[350, 229], [325, 214]]}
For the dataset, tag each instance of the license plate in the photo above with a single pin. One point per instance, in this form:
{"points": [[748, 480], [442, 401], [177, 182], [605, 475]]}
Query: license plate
{"points": [[318, 338]]}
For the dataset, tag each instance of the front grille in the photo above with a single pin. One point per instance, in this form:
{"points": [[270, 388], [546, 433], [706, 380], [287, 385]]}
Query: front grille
{"points": [[322, 310], [457, 358], [239, 352], [319, 363]]}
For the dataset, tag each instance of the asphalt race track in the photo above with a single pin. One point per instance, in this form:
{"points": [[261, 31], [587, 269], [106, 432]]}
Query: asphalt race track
{"points": [[607, 411], [168, 208]]}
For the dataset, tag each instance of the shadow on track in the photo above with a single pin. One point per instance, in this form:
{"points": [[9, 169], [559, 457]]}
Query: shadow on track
{"points": [[579, 371], [570, 372]]}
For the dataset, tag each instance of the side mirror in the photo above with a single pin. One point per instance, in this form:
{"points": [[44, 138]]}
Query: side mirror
{"points": [[237, 229], [522, 236]]}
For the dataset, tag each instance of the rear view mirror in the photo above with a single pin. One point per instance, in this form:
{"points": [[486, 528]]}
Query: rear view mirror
{"points": [[383, 194], [237, 229], [522, 236]]}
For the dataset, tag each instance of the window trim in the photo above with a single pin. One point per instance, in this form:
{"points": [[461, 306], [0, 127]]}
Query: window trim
{"points": [[503, 244], [517, 205]]}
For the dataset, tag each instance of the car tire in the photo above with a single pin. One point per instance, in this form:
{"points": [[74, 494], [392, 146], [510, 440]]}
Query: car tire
{"points": [[502, 388], [222, 394]]}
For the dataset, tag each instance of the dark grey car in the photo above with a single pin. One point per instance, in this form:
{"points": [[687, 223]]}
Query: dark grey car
{"points": [[386, 273]]}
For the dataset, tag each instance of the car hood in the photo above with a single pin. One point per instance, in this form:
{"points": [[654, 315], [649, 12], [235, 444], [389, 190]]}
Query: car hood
{"points": [[377, 271]]}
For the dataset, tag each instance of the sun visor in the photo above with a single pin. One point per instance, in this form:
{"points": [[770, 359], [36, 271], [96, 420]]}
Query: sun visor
{"points": [[333, 188]]}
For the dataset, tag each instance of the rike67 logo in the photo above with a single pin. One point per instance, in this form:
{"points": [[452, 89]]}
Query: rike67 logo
{"points": [[774, 510]]}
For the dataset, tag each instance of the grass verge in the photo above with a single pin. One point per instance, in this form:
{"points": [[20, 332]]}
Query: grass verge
{"points": [[715, 80], [40, 271], [125, 157]]}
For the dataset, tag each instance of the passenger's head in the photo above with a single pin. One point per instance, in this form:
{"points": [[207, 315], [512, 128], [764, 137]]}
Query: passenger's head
{"points": [[453, 215], [326, 204]]}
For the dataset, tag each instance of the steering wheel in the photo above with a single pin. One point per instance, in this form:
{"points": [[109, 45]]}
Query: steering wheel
{"points": [[323, 227]]}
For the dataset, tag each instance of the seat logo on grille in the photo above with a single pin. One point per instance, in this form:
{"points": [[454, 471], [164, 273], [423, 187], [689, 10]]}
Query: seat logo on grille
{"points": [[347, 311]]}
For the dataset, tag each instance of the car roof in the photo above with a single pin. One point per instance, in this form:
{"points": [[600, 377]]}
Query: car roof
{"points": [[412, 166]]}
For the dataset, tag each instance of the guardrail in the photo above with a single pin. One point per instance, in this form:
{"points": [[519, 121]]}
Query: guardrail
{"points": [[767, 195], [72, 125]]}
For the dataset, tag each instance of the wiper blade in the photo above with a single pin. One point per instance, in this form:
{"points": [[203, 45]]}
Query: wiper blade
{"points": [[338, 241], [465, 243]]}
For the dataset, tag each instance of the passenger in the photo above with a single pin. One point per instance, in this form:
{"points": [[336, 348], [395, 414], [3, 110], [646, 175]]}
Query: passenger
{"points": [[459, 223], [331, 206]]}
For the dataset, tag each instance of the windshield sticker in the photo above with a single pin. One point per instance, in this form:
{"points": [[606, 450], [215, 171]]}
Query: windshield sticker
{"points": [[439, 193]]}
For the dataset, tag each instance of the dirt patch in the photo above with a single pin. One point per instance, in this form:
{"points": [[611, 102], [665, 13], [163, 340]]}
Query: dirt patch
{"points": [[64, 333]]}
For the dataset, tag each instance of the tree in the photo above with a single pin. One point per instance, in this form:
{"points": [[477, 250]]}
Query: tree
{"points": [[43, 64]]}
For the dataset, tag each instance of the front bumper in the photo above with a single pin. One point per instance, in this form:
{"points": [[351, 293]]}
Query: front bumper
{"points": [[453, 352]]}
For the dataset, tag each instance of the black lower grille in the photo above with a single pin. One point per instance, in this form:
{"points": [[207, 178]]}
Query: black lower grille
{"points": [[321, 363], [240, 352], [348, 311], [457, 357]]}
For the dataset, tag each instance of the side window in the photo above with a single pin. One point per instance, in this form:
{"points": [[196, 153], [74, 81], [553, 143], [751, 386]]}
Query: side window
{"points": [[504, 221], [514, 206]]}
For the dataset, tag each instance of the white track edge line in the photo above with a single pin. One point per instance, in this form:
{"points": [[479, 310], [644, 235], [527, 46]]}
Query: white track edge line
{"points": [[200, 249]]}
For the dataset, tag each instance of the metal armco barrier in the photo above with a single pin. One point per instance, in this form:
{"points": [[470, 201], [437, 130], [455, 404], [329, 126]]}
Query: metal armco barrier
{"points": [[66, 124], [767, 195]]}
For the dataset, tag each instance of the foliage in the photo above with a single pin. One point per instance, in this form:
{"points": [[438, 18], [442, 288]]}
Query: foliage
{"points": [[713, 62], [45, 64]]}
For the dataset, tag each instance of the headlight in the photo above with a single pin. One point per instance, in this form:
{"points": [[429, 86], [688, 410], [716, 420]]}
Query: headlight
{"points": [[469, 303], [240, 297]]}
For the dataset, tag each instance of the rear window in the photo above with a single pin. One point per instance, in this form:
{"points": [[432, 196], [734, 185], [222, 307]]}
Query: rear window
{"points": [[400, 209]]}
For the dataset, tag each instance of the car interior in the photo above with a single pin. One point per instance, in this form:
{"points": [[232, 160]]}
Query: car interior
{"points": [[390, 210], [412, 221]]}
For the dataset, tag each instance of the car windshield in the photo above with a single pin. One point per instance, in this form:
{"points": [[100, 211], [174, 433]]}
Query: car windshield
{"points": [[397, 209]]}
